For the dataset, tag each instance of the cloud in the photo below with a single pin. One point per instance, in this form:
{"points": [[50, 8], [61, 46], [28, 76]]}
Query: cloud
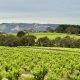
{"points": [[40, 10]]}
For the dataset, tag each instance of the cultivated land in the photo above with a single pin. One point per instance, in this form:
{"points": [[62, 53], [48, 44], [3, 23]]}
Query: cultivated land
{"points": [[36, 63], [61, 63]]}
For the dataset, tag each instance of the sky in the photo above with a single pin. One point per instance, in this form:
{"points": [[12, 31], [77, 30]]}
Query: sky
{"points": [[40, 11]]}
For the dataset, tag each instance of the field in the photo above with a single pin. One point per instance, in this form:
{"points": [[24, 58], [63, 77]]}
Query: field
{"points": [[51, 35], [54, 35], [32, 62], [40, 63]]}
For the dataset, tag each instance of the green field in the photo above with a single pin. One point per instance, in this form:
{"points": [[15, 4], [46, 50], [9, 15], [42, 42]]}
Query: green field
{"points": [[54, 35], [28, 62], [40, 63]]}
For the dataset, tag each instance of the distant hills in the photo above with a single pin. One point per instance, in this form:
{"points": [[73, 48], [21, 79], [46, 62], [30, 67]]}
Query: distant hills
{"points": [[15, 27]]}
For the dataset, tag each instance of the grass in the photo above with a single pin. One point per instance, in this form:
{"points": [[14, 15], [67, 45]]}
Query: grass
{"points": [[54, 35]]}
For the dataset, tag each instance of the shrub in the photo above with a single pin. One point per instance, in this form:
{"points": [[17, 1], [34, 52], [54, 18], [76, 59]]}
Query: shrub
{"points": [[28, 40], [13, 75], [52, 76], [52, 43], [40, 73], [66, 42], [2, 39], [6, 66], [72, 30], [11, 41], [77, 43], [57, 41], [45, 41]]}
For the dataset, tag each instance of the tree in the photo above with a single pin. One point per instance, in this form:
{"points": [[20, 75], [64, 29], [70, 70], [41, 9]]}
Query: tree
{"points": [[20, 33], [45, 41], [77, 43], [11, 41], [28, 40], [2, 39], [67, 42], [57, 41], [61, 28], [49, 29], [72, 30]]}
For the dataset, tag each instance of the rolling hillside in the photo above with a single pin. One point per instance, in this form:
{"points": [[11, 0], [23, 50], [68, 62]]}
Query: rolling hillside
{"points": [[15, 27]]}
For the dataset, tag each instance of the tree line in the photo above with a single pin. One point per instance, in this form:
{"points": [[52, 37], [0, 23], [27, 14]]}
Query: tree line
{"points": [[70, 29], [30, 40]]}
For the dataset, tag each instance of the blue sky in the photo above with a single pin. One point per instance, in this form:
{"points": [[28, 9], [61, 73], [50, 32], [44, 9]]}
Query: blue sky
{"points": [[40, 11]]}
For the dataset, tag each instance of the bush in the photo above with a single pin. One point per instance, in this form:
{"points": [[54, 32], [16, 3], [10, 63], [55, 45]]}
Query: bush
{"points": [[6, 66], [45, 41], [72, 30], [11, 41], [28, 40], [13, 75], [57, 41], [67, 42], [40, 73], [2, 39], [52, 43], [77, 43], [20, 33]]}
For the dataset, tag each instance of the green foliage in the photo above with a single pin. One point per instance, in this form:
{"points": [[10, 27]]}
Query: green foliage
{"points": [[1, 76], [11, 41], [2, 39], [40, 73], [45, 41], [28, 40], [71, 29], [66, 42], [6, 66], [13, 75], [57, 41], [41, 63], [77, 43], [20, 33], [53, 77]]}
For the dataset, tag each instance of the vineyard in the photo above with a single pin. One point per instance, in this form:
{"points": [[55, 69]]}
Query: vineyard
{"points": [[39, 63]]}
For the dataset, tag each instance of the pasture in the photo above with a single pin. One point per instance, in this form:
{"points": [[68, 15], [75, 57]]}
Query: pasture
{"points": [[54, 35]]}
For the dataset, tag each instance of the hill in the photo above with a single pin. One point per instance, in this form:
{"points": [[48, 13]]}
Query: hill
{"points": [[15, 27]]}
